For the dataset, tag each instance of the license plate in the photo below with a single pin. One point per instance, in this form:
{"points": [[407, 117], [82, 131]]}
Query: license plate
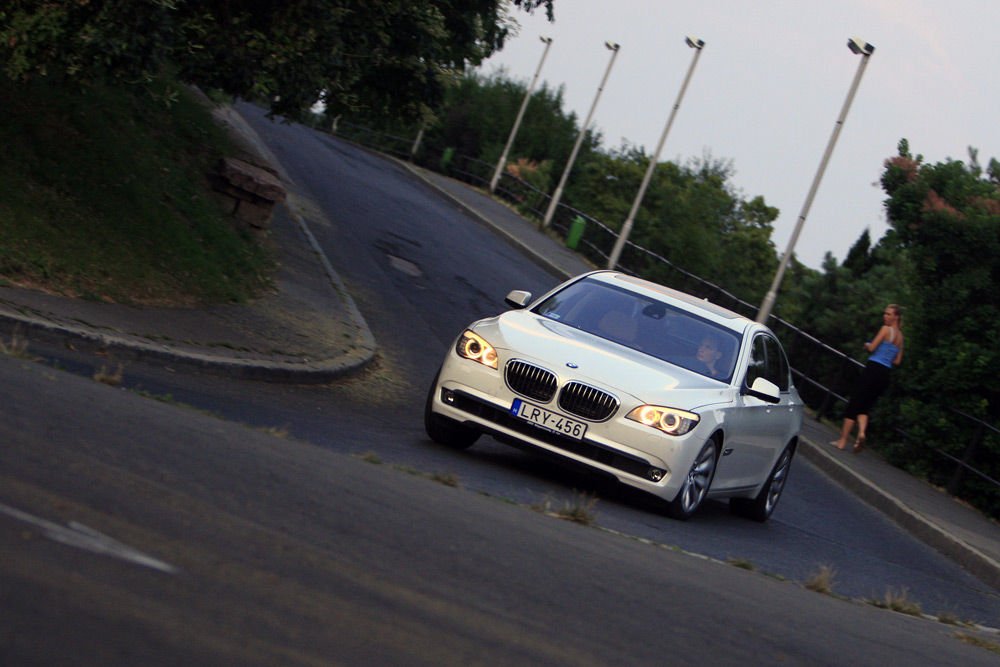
{"points": [[550, 421]]}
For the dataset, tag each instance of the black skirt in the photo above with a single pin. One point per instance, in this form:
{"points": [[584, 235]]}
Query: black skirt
{"points": [[871, 384]]}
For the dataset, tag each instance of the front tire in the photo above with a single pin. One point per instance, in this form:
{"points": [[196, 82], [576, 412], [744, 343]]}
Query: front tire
{"points": [[761, 507], [696, 484], [443, 430]]}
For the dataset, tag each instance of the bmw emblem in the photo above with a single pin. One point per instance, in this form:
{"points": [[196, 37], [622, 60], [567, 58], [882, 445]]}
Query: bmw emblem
{"points": [[570, 364]]}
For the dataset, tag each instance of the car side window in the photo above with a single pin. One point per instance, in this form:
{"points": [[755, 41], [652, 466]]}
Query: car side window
{"points": [[767, 360], [777, 365], [758, 361]]}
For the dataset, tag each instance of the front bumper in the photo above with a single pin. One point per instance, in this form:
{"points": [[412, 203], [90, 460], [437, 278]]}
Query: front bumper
{"points": [[477, 396]]}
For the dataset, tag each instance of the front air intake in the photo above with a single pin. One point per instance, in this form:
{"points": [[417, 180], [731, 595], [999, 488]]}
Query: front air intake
{"points": [[588, 402], [529, 380]]}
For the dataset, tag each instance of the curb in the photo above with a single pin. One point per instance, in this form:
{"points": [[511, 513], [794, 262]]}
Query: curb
{"points": [[972, 559], [138, 349], [364, 347]]}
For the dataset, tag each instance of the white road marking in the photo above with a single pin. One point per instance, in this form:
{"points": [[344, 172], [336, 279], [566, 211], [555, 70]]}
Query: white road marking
{"points": [[83, 537]]}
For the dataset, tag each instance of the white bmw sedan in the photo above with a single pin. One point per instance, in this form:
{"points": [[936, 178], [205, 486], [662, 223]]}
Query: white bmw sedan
{"points": [[667, 393]]}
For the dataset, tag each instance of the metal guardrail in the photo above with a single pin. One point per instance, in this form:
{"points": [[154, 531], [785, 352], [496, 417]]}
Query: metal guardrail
{"points": [[815, 358]]}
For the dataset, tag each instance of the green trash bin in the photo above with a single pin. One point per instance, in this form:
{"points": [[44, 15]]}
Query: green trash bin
{"points": [[446, 158], [575, 232]]}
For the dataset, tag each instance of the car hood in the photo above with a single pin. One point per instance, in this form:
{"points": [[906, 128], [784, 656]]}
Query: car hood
{"points": [[572, 353]]}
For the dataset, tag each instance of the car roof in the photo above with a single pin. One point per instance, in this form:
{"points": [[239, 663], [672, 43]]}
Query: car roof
{"points": [[702, 306]]}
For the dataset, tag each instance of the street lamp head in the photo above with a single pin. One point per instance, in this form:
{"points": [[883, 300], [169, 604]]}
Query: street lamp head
{"points": [[694, 42], [860, 46], [614, 46], [545, 40]]}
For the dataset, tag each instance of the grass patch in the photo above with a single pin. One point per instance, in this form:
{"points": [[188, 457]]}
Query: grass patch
{"points": [[978, 641], [898, 600], [446, 478], [104, 195], [578, 510], [16, 347], [742, 563], [110, 377], [822, 580]]}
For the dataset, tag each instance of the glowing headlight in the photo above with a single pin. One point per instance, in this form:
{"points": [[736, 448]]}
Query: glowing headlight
{"points": [[668, 420], [474, 347]]}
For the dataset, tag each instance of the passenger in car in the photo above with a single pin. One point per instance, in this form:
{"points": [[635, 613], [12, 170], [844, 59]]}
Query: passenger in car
{"points": [[709, 355]]}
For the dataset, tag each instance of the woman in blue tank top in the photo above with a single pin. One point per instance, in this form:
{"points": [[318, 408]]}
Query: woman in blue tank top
{"points": [[887, 351]]}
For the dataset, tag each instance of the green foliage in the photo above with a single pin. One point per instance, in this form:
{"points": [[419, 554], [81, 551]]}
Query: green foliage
{"points": [[690, 215], [946, 218], [104, 195], [477, 115], [944, 215], [390, 56]]}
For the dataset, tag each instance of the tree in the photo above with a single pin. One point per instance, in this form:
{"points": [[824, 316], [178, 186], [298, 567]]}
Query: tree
{"points": [[946, 217], [690, 216], [389, 55], [944, 214]]}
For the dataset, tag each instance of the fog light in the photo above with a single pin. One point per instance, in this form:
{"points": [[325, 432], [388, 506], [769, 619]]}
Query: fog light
{"points": [[656, 474], [448, 396]]}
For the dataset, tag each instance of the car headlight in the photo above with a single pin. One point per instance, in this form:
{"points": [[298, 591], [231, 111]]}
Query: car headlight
{"points": [[668, 420], [474, 347]]}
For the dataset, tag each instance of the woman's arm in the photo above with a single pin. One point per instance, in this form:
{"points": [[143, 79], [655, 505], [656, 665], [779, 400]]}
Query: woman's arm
{"points": [[899, 355], [882, 334]]}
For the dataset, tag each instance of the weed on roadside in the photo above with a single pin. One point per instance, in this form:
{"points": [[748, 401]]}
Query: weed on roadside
{"points": [[112, 378], [741, 563], [898, 601], [978, 641], [951, 618], [16, 347], [446, 478], [822, 580], [370, 457], [578, 510]]}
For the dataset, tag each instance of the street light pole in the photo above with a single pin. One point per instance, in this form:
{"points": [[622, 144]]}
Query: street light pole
{"points": [[616, 252], [865, 50], [557, 195], [520, 115]]}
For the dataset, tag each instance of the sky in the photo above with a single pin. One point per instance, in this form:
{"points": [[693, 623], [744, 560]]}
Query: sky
{"points": [[769, 86]]}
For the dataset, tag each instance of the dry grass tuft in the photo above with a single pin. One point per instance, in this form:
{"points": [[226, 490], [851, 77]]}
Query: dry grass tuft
{"points": [[898, 601], [742, 563], [978, 641], [370, 457], [578, 510], [822, 580], [17, 347], [446, 478], [112, 378]]}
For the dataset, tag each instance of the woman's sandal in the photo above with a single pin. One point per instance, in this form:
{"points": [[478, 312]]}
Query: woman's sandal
{"points": [[859, 444], [836, 445]]}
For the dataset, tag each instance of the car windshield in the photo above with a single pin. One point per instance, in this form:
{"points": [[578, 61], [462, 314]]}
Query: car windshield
{"points": [[647, 325]]}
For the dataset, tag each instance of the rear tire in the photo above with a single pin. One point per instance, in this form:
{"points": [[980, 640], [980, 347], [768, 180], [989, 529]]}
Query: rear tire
{"points": [[443, 430], [761, 507], [696, 484]]}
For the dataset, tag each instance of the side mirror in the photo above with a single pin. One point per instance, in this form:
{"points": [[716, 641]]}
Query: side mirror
{"points": [[765, 390], [518, 299]]}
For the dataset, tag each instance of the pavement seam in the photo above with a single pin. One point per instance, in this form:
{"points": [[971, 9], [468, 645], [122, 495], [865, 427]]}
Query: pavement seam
{"points": [[538, 258], [972, 559]]}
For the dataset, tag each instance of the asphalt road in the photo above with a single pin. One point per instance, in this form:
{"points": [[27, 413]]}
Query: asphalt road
{"points": [[134, 531], [254, 549]]}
